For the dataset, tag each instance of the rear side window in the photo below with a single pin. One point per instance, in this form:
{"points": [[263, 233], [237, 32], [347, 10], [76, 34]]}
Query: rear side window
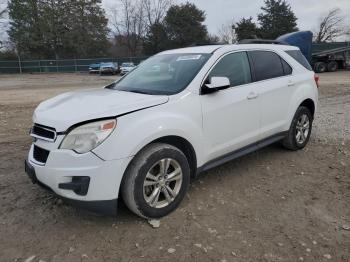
{"points": [[267, 65], [235, 67], [298, 55]]}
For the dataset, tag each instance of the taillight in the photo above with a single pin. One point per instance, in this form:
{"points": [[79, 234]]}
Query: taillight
{"points": [[317, 79]]}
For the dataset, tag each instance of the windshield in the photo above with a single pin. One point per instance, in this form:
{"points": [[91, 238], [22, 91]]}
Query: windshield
{"points": [[162, 74], [107, 64], [127, 64]]}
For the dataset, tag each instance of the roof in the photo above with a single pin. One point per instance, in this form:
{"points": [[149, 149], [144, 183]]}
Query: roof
{"points": [[207, 49], [212, 48]]}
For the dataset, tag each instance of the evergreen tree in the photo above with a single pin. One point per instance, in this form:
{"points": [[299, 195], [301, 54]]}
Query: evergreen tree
{"points": [[58, 28], [246, 29], [276, 19], [87, 28], [184, 25], [25, 27], [156, 39]]}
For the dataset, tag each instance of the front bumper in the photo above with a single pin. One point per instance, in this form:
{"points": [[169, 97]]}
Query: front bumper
{"points": [[107, 70], [82, 179], [105, 207], [124, 72]]}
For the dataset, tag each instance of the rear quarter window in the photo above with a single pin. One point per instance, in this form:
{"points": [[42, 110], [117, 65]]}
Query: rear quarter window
{"points": [[300, 58]]}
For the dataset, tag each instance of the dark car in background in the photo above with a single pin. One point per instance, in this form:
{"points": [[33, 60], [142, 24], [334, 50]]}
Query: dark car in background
{"points": [[109, 68], [104, 68], [94, 68]]}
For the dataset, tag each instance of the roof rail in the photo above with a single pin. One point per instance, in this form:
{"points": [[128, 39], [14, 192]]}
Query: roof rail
{"points": [[261, 41]]}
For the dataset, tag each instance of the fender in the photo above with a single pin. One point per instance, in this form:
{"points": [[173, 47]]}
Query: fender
{"points": [[136, 130], [303, 93]]}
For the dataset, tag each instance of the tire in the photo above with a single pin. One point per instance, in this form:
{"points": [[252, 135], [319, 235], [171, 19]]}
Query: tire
{"points": [[291, 141], [332, 66], [146, 168], [320, 67]]}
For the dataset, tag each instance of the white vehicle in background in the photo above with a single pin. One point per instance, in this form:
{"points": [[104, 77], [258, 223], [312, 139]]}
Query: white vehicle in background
{"points": [[179, 113], [126, 67]]}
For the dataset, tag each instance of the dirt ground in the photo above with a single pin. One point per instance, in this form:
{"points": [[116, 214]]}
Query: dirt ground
{"points": [[271, 205]]}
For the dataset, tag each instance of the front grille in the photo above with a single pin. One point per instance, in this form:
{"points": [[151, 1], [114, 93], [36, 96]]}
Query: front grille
{"points": [[44, 132], [40, 154]]}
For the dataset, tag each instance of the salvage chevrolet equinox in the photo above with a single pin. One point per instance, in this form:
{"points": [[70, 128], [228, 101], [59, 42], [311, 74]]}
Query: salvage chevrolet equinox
{"points": [[179, 113]]}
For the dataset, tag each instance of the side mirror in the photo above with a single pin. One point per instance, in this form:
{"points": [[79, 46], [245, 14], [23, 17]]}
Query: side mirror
{"points": [[216, 83]]}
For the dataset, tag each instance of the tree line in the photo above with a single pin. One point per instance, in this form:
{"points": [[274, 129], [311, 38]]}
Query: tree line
{"points": [[53, 29]]}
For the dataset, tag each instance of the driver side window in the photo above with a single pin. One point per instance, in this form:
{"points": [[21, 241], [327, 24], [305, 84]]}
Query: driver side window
{"points": [[235, 67]]}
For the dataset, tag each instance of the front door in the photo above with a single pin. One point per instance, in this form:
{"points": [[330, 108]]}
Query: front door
{"points": [[231, 116]]}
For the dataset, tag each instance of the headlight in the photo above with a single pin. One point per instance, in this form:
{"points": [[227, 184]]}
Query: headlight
{"points": [[86, 137]]}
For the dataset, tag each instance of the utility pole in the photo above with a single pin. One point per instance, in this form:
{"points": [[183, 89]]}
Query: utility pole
{"points": [[19, 60]]}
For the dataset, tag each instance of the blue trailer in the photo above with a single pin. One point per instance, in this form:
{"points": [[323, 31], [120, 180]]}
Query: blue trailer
{"points": [[329, 60]]}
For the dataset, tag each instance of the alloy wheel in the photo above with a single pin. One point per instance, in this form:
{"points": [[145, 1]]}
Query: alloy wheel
{"points": [[302, 129], [162, 183]]}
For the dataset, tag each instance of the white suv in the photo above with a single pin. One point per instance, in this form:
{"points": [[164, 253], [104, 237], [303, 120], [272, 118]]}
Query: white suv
{"points": [[144, 137]]}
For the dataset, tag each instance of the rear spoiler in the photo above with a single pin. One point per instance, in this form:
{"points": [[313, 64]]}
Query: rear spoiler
{"points": [[261, 41]]}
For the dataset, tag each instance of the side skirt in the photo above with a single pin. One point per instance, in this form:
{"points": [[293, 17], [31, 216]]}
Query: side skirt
{"points": [[241, 152]]}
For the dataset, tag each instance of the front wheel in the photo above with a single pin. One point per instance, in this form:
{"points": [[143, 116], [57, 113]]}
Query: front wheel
{"points": [[156, 181], [300, 129]]}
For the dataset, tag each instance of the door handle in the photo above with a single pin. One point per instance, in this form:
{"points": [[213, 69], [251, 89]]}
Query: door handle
{"points": [[252, 95], [291, 83]]}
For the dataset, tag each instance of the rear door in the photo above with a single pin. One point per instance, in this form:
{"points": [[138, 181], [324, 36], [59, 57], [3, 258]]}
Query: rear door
{"points": [[274, 84]]}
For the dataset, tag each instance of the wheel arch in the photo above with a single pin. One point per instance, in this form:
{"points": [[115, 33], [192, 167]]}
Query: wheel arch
{"points": [[184, 145], [309, 104], [177, 141]]}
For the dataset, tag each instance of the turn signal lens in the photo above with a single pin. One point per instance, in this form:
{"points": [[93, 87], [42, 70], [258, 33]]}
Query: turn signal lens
{"points": [[109, 125]]}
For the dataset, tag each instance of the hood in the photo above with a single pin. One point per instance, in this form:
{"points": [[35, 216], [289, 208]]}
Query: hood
{"points": [[65, 110]]}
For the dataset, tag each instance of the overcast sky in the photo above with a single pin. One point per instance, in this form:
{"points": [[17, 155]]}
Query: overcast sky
{"points": [[219, 12]]}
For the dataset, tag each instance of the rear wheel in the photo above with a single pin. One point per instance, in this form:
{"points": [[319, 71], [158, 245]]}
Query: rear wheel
{"points": [[300, 130], [156, 181], [320, 67], [332, 66]]}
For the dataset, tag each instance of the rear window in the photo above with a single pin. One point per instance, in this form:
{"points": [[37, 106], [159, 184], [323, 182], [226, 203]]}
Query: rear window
{"points": [[298, 55], [267, 65]]}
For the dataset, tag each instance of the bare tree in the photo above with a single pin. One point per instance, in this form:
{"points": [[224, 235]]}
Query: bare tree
{"points": [[227, 33], [3, 10], [331, 26], [132, 19], [129, 22], [3, 22], [155, 10]]}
